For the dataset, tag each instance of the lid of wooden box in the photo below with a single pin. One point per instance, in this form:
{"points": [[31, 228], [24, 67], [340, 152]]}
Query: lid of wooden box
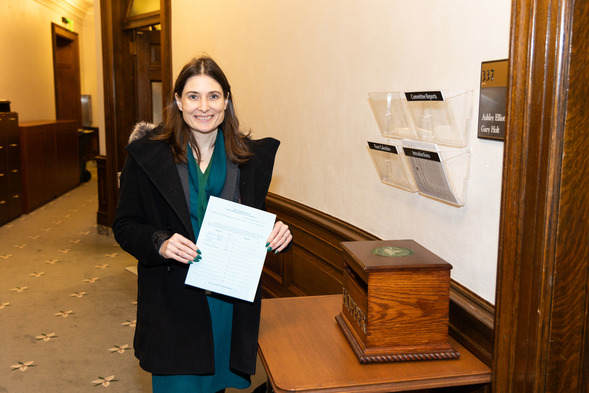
{"points": [[385, 255]]}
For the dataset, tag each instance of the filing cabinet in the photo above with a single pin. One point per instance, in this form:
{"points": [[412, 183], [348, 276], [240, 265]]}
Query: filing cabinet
{"points": [[50, 162], [10, 176]]}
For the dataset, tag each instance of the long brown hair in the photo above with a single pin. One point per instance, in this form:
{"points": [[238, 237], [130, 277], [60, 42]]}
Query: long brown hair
{"points": [[177, 133]]}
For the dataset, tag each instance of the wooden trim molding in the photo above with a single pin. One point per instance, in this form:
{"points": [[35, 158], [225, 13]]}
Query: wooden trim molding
{"points": [[472, 321], [166, 51], [143, 20], [314, 266], [110, 20], [542, 324], [102, 217]]}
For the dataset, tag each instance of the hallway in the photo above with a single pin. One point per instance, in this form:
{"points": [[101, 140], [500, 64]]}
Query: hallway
{"points": [[67, 303]]}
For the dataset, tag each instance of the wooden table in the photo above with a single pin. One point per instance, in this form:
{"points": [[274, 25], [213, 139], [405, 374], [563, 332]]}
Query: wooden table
{"points": [[303, 350]]}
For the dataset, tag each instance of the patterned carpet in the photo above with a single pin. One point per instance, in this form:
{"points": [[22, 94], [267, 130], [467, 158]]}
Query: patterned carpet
{"points": [[67, 303]]}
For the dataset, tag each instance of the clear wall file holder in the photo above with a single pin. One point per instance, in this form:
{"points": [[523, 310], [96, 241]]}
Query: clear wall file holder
{"points": [[441, 174], [392, 115], [391, 166], [440, 117]]}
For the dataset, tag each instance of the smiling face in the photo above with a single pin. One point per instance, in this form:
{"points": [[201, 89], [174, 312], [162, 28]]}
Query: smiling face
{"points": [[202, 104]]}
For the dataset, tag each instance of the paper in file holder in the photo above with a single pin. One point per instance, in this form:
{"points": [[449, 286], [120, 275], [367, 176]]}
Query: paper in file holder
{"points": [[391, 166], [438, 173], [441, 117]]}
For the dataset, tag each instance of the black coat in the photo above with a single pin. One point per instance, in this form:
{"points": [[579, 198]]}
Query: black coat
{"points": [[174, 333]]}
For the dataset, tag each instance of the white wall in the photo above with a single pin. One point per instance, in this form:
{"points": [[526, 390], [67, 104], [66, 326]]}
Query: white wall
{"points": [[91, 69], [27, 60], [301, 71], [98, 93]]}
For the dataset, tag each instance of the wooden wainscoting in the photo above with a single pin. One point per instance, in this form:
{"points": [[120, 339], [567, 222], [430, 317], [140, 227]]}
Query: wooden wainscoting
{"points": [[314, 266]]}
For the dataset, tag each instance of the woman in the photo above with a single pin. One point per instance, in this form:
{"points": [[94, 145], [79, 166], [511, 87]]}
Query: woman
{"points": [[189, 339]]}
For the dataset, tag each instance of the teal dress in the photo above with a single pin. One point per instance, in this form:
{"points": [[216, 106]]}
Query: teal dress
{"points": [[211, 182]]}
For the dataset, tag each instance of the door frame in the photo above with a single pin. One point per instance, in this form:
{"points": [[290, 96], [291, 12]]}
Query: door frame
{"points": [[542, 319], [119, 87], [57, 33]]}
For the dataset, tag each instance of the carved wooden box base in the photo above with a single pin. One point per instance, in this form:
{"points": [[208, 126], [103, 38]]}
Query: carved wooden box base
{"points": [[395, 302]]}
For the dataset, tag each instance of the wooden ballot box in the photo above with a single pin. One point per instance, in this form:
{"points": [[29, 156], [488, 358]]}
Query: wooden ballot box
{"points": [[395, 302]]}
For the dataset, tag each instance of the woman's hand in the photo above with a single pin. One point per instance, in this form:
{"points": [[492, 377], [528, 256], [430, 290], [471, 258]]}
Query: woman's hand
{"points": [[279, 238], [180, 249]]}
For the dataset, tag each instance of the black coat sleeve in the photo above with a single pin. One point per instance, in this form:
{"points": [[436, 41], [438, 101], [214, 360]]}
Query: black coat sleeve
{"points": [[133, 226]]}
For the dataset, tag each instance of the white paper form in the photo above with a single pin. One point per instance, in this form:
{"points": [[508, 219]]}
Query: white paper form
{"points": [[232, 240]]}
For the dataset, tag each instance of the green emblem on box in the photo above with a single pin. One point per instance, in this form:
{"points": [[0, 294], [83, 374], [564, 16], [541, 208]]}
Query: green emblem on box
{"points": [[392, 251]]}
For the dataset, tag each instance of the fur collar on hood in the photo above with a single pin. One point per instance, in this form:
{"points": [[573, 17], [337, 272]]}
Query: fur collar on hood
{"points": [[140, 130]]}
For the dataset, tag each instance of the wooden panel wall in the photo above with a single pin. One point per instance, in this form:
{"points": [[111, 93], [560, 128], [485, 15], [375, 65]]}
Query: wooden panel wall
{"points": [[314, 266]]}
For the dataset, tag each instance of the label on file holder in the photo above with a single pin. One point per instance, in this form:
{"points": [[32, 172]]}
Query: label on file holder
{"points": [[429, 172], [424, 96], [423, 154], [382, 147]]}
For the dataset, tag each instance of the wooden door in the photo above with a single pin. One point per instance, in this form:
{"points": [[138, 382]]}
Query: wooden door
{"points": [[66, 74], [149, 75]]}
